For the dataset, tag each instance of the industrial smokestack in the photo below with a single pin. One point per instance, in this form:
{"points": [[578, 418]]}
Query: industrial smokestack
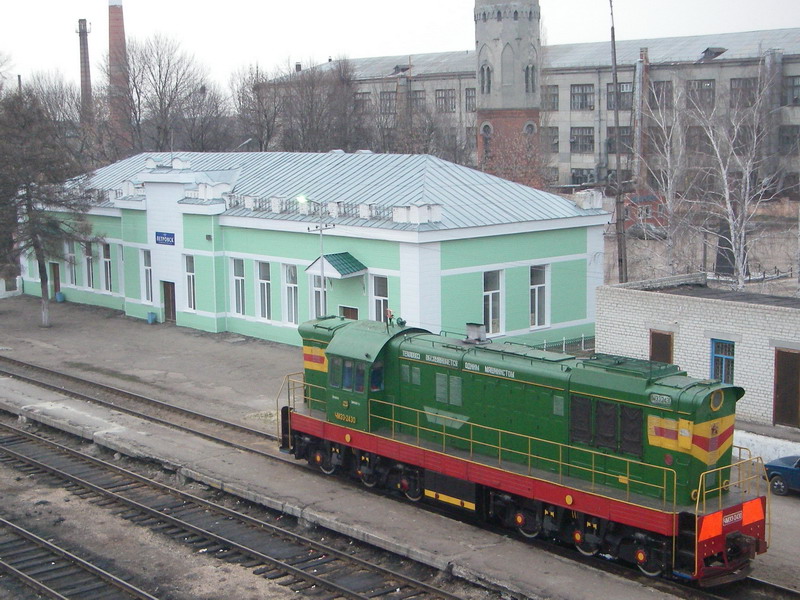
{"points": [[87, 110], [118, 85]]}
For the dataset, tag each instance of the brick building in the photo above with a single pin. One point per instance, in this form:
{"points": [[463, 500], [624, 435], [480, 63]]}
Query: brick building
{"points": [[751, 340], [510, 83]]}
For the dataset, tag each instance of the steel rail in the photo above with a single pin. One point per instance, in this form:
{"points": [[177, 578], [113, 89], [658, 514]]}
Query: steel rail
{"points": [[189, 502], [51, 558], [258, 436]]}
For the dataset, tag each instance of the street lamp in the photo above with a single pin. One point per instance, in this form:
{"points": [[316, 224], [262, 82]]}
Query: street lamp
{"points": [[323, 303]]}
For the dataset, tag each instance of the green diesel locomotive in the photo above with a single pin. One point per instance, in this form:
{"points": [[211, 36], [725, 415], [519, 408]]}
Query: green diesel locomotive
{"points": [[628, 457]]}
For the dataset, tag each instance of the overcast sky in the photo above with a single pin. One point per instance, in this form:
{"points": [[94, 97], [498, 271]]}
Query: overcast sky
{"points": [[39, 35]]}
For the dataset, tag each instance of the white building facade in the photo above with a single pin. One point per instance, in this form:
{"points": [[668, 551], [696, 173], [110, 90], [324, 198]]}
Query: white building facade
{"points": [[751, 340]]}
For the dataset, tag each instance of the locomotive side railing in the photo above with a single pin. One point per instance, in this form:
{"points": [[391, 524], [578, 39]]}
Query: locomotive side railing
{"points": [[488, 445], [484, 443]]}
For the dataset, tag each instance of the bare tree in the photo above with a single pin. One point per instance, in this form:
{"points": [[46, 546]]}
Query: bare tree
{"points": [[728, 139], [5, 62], [306, 111], [162, 79], [39, 212], [206, 121], [257, 107], [666, 169], [522, 156]]}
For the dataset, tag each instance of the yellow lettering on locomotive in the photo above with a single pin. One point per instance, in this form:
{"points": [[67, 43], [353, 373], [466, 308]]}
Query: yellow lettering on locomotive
{"points": [[344, 418]]}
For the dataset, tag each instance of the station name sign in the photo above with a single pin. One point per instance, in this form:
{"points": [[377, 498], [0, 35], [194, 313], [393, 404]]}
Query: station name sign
{"points": [[167, 239]]}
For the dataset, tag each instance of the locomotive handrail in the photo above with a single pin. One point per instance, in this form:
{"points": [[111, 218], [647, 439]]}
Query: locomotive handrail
{"points": [[499, 444], [715, 484]]}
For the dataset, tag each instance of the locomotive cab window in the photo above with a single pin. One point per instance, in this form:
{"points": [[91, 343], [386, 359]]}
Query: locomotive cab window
{"points": [[376, 377], [347, 375], [359, 382], [335, 372]]}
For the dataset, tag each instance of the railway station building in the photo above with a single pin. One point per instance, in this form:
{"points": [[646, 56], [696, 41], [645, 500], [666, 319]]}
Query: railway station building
{"points": [[255, 243], [748, 339]]}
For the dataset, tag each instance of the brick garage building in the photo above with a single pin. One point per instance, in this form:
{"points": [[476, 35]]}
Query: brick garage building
{"points": [[752, 340]]}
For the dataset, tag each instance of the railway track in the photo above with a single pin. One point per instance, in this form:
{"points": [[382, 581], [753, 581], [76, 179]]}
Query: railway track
{"points": [[304, 565], [262, 442], [197, 423], [56, 573]]}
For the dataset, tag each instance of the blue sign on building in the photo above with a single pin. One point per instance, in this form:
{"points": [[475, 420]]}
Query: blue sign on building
{"points": [[168, 239]]}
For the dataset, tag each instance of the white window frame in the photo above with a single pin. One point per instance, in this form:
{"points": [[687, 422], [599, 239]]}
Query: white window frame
{"points": [[108, 284], [291, 294], [147, 275], [539, 298], [88, 261], [191, 282], [319, 299], [495, 304], [69, 258], [264, 290], [379, 303], [238, 301]]}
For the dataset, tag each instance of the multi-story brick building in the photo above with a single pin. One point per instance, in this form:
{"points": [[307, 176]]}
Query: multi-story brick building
{"points": [[510, 83], [751, 340]]}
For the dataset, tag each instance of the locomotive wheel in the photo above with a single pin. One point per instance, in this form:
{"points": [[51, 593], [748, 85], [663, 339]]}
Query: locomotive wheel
{"points": [[530, 531], [531, 525], [369, 479], [587, 549], [647, 565], [411, 487], [323, 461], [651, 570], [583, 546]]}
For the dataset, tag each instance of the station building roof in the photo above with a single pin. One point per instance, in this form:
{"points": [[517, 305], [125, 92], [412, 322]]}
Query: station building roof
{"points": [[362, 189]]}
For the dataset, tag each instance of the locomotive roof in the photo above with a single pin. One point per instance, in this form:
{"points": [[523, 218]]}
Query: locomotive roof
{"points": [[363, 340]]}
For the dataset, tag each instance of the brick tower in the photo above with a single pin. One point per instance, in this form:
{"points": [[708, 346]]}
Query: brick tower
{"points": [[87, 109], [508, 51], [118, 86]]}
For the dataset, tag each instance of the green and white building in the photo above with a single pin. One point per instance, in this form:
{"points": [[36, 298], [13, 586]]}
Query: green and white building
{"points": [[232, 242]]}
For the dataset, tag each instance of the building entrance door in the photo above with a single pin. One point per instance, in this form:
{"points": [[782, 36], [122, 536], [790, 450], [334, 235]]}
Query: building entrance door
{"points": [[55, 277], [168, 294], [786, 410]]}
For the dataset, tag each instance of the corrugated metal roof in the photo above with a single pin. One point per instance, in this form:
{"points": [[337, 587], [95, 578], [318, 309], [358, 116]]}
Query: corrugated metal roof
{"points": [[748, 44], [468, 198]]}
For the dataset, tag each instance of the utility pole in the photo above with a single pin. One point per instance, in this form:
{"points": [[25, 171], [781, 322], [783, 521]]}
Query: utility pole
{"points": [[619, 209]]}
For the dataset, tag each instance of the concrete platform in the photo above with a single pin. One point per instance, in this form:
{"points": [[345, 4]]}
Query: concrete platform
{"points": [[239, 378]]}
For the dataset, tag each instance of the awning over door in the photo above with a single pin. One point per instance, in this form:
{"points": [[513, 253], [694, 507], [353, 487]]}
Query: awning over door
{"points": [[337, 266]]}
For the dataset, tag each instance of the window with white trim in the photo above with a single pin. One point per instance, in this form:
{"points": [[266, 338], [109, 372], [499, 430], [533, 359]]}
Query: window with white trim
{"points": [[264, 291], [492, 301], [238, 286], [89, 263], [290, 285], [538, 295], [147, 270], [191, 292], [107, 282], [72, 267], [319, 294], [380, 297]]}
